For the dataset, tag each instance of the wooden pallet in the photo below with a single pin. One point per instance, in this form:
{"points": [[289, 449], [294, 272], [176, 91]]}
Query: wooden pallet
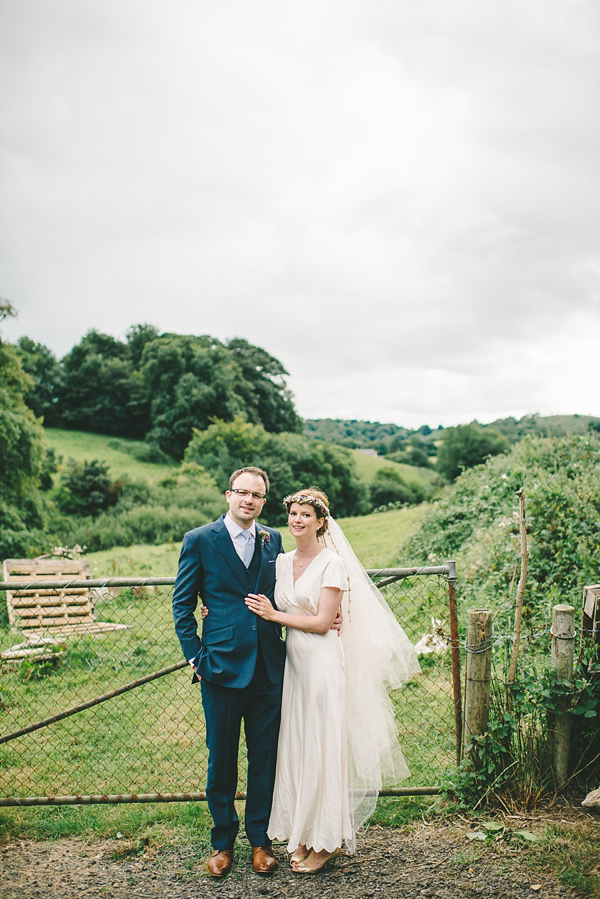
{"points": [[63, 611]]}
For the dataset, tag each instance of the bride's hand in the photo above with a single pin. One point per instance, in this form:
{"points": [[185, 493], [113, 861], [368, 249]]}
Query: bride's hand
{"points": [[203, 611], [260, 605]]}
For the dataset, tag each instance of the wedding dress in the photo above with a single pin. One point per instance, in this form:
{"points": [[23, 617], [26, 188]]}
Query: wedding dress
{"points": [[337, 742]]}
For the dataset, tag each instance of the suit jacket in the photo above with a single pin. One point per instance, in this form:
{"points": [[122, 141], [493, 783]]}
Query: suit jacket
{"points": [[209, 566]]}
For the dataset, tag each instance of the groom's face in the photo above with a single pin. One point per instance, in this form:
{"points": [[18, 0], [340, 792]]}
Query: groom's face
{"points": [[244, 507]]}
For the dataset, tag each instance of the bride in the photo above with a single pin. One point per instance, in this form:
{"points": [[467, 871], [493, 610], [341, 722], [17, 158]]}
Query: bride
{"points": [[337, 742]]}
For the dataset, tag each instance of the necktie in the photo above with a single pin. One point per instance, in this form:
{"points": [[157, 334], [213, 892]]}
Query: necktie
{"points": [[247, 547]]}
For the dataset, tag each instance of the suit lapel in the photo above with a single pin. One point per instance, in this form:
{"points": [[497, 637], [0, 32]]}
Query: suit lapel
{"points": [[225, 546]]}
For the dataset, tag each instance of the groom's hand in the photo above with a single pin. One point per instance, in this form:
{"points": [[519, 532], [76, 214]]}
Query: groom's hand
{"points": [[337, 623]]}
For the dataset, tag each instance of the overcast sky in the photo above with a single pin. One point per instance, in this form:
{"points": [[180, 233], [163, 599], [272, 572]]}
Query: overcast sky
{"points": [[398, 199]]}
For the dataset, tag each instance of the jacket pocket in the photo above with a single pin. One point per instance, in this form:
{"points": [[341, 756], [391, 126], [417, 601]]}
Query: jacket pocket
{"points": [[219, 636]]}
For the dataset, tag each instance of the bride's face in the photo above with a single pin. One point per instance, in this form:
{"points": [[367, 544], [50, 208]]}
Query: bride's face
{"points": [[303, 521]]}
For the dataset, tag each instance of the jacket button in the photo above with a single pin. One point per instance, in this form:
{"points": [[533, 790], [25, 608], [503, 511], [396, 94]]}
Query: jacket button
{"points": [[253, 627]]}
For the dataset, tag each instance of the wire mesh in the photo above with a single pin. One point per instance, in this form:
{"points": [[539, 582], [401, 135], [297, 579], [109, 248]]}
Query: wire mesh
{"points": [[150, 739]]}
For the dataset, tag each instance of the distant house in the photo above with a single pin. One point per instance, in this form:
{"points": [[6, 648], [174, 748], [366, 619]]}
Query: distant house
{"points": [[368, 452]]}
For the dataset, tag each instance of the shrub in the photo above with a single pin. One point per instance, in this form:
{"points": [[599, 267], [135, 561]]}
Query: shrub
{"points": [[467, 445], [152, 515], [86, 488], [388, 486], [476, 521]]}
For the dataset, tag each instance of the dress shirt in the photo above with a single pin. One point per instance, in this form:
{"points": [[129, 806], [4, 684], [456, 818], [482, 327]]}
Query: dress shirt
{"points": [[242, 539]]}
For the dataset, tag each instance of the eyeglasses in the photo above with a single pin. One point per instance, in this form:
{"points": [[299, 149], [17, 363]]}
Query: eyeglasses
{"points": [[242, 493]]}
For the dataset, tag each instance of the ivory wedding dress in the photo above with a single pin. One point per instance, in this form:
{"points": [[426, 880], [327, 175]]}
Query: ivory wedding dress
{"points": [[338, 742], [310, 801]]}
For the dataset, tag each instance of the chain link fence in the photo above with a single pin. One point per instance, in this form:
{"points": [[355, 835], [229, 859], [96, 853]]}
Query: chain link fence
{"points": [[135, 729]]}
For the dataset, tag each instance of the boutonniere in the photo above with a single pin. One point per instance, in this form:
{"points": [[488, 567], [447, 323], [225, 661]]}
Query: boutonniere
{"points": [[264, 537]]}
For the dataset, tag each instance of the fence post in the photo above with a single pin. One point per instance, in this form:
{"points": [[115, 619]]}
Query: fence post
{"points": [[563, 644], [479, 666], [455, 644]]}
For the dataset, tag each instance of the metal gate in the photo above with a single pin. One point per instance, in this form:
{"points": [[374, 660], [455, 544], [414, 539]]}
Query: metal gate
{"points": [[113, 717]]}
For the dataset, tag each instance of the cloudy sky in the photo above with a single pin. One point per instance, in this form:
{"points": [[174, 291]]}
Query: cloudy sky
{"points": [[400, 200]]}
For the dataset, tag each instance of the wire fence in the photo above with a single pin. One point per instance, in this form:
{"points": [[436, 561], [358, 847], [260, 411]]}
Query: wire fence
{"points": [[135, 729]]}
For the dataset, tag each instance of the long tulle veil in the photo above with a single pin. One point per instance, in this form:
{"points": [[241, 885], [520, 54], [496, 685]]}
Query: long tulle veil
{"points": [[378, 657]]}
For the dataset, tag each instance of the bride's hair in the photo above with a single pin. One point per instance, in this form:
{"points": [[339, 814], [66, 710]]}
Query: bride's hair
{"points": [[311, 496]]}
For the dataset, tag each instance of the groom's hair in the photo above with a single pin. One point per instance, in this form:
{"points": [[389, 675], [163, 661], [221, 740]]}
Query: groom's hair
{"points": [[250, 469]]}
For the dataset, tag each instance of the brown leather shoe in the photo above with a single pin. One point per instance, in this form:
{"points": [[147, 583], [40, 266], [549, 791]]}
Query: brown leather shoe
{"points": [[263, 860], [219, 862]]}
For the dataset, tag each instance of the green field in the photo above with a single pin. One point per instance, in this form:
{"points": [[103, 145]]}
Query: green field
{"points": [[115, 451], [367, 466]]}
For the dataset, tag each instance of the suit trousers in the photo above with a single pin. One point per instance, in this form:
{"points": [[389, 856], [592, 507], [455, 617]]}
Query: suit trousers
{"points": [[259, 706]]}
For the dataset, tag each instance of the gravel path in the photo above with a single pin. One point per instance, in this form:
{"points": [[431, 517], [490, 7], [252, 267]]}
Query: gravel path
{"points": [[430, 860]]}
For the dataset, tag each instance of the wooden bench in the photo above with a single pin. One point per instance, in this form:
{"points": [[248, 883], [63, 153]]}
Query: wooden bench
{"points": [[48, 613]]}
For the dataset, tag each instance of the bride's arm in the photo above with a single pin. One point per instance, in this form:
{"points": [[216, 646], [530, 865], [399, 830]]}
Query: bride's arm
{"points": [[329, 604]]}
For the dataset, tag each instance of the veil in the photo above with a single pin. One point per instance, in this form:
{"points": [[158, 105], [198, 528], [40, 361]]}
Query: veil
{"points": [[378, 657]]}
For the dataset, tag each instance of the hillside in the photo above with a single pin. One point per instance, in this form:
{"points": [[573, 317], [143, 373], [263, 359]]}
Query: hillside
{"points": [[126, 458], [367, 466], [123, 456], [388, 437], [476, 522]]}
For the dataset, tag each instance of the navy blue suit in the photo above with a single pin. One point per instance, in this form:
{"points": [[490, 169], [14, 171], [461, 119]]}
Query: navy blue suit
{"points": [[240, 659]]}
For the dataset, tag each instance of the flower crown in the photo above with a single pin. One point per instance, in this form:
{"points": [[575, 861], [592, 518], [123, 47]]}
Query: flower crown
{"points": [[307, 499]]}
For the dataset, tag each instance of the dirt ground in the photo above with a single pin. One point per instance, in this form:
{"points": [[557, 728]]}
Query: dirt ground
{"points": [[430, 861]]}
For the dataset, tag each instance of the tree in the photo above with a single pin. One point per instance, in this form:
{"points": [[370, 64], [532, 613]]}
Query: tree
{"points": [[45, 372], [21, 452], [189, 381], [291, 461], [137, 338], [388, 486], [86, 488], [467, 445], [100, 391], [263, 389], [7, 310]]}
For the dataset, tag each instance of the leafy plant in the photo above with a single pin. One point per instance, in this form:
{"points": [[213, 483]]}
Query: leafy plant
{"points": [[511, 763]]}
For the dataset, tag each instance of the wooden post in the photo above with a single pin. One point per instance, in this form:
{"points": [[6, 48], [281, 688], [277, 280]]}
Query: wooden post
{"points": [[479, 666], [563, 639]]}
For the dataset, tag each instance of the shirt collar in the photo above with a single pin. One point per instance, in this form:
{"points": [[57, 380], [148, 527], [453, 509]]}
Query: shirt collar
{"points": [[234, 528]]}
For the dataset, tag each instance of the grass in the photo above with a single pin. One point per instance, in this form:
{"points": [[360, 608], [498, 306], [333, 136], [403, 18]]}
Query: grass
{"points": [[116, 452], [571, 853], [564, 852], [367, 466], [375, 538], [172, 821]]}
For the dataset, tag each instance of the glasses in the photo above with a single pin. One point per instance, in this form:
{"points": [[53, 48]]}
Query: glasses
{"points": [[242, 493]]}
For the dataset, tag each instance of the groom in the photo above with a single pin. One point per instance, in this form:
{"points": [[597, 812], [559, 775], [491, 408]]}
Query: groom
{"points": [[239, 660]]}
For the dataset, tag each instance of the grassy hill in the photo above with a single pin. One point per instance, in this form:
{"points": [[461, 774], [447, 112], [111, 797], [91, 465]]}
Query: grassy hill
{"points": [[367, 466], [124, 457], [376, 537]]}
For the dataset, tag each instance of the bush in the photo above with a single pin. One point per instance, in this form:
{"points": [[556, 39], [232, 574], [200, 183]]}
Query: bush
{"points": [[388, 486], [152, 515], [86, 488], [467, 445], [476, 520]]}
